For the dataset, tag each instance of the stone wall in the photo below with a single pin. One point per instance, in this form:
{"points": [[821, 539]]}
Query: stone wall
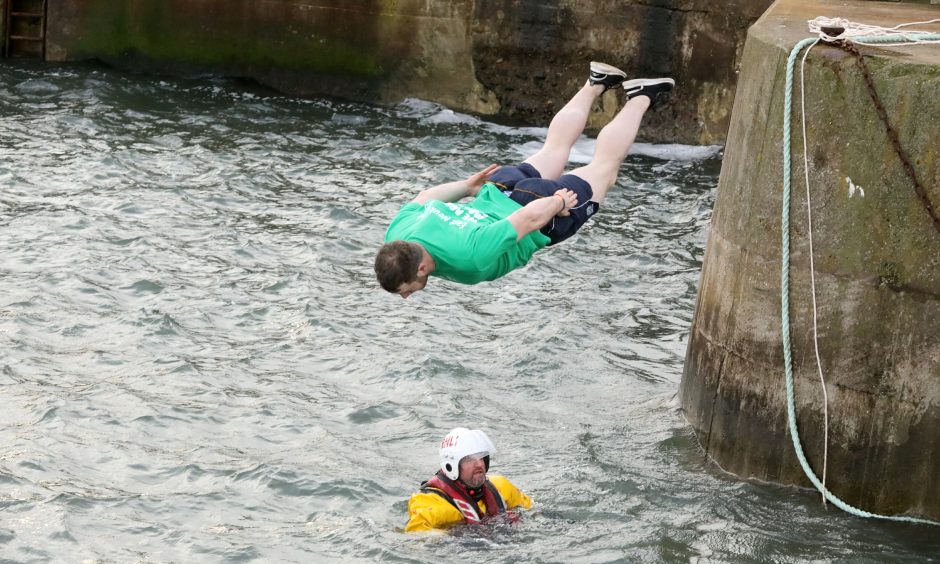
{"points": [[533, 54], [877, 268], [519, 59], [3, 24], [366, 50]]}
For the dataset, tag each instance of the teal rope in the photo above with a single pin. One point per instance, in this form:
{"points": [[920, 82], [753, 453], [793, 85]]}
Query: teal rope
{"points": [[897, 38], [785, 277]]}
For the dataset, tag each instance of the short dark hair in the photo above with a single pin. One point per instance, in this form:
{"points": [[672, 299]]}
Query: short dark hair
{"points": [[397, 263]]}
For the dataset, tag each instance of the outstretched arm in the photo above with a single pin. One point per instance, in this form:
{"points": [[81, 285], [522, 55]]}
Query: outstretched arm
{"points": [[454, 191], [537, 213]]}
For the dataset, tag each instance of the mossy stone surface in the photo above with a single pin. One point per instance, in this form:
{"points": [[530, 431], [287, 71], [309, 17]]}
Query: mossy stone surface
{"points": [[876, 259]]}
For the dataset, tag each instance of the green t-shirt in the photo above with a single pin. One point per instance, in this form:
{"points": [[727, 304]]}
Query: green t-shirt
{"points": [[471, 242]]}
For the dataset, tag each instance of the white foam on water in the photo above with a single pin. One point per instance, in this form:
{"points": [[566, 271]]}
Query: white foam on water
{"points": [[431, 112], [675, 151], [581, 153], [583, 150]]}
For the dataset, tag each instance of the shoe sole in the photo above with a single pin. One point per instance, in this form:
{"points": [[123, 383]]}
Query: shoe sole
{"points": [[606, 69], [627, 84]]}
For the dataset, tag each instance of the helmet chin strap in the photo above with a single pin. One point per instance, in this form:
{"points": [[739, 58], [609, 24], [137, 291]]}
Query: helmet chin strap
{"points": [[476, 494]]}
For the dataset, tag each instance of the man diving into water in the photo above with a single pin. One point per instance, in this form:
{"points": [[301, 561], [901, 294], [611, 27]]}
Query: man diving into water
{"points": [[516, 210]]}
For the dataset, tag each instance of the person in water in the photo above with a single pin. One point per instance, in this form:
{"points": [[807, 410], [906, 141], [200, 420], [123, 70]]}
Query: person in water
{"points": [[461, 491], [516, 210]]}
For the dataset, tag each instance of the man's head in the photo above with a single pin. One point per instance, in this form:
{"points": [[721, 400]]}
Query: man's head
{"points": [[473, 470], [401, 267], [465, 456]]}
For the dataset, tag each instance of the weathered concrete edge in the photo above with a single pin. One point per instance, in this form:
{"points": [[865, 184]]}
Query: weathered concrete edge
{"points": [[713, 403]]}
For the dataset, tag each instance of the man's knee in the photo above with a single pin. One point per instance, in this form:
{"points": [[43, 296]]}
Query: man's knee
{"points": [[598, 178]]}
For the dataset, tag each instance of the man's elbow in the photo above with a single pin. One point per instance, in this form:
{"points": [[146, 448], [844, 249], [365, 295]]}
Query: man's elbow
{"points": [[525, 223]]}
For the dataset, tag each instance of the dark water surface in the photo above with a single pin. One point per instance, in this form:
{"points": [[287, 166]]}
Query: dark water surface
{"points": [[197, 365]]}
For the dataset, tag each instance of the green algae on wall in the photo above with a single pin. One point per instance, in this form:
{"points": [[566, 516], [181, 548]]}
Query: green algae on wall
{"points": [[371, 50], [169, 31], [519, 58], [323, 55], [889, 224]]}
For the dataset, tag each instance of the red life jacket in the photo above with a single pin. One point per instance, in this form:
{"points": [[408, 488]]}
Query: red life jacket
{"points": [[455, 493]]}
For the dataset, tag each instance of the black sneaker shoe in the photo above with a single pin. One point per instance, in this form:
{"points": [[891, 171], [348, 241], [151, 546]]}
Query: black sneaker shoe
{"points": [[606, 75], [652, 88]]}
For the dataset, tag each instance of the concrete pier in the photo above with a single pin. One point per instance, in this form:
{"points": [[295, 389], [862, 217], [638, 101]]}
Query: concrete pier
{"points": [[877, 268], [519, 59]]}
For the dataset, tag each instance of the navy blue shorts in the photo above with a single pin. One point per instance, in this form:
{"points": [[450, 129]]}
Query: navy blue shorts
{"points": [[524, 184]]}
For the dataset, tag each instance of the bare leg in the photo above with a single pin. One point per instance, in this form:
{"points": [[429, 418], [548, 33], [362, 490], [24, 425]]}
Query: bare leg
{"points": [[613, 143], [564, 130]]}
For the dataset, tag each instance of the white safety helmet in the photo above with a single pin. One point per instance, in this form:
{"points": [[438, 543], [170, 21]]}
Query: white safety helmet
{"points": [[460, 443]]}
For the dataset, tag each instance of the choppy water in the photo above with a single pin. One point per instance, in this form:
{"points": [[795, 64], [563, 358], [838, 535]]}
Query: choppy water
{"points": [[197, 365]]}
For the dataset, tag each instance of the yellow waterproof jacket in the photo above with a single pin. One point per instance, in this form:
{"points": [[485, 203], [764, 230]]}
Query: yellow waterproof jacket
{"points": [[428, 510]]}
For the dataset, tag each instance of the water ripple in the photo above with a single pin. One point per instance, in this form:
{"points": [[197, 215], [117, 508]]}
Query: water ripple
{"points": [[199, 366]]}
